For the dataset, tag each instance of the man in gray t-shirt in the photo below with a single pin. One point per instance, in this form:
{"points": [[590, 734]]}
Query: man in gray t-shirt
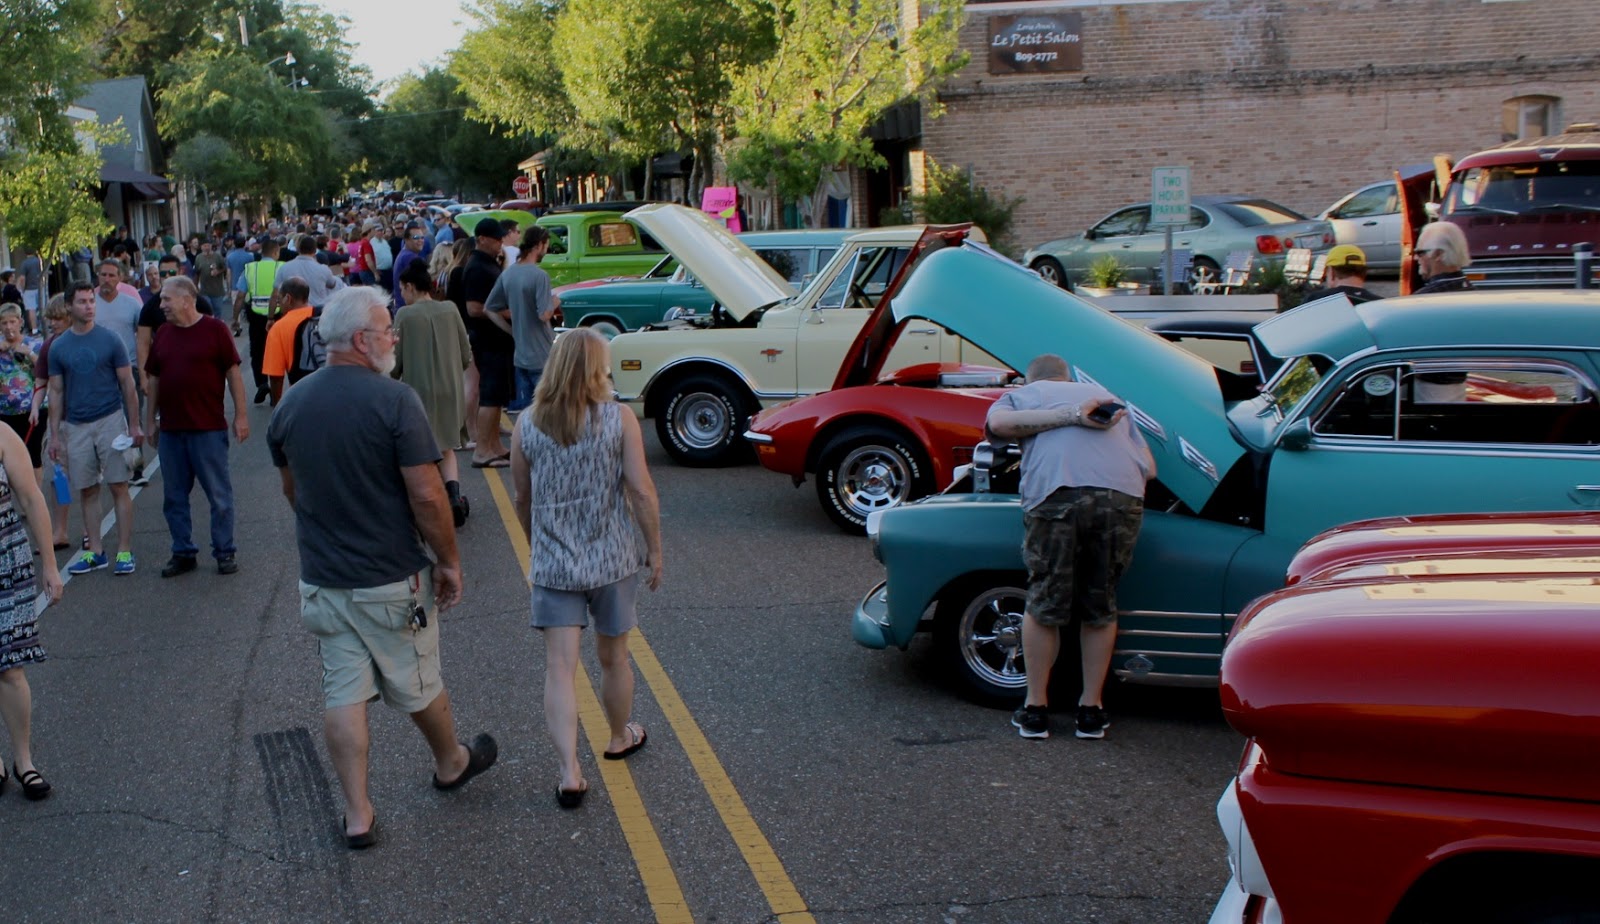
{"points": [[524, 289], [116, 310], [368, 505], [1083, 479], [317, 276]]}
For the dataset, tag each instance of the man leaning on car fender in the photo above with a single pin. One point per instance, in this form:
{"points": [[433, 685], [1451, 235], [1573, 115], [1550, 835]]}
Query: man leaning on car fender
{"points": [[1083, 480]]}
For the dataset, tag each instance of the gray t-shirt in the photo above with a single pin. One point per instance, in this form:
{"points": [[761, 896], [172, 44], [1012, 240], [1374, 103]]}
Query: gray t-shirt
{"points": [[32, 273], [317, 276], [87, 364], [121, 317], [1075, 457], [345, 432], [525, 288]]}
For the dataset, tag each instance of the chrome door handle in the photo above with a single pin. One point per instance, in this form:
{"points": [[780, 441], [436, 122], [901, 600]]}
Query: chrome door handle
{"points": [[929, 332], [1586, 487], [1369, 224]]}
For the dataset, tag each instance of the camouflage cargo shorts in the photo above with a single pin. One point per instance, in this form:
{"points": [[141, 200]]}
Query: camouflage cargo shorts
{"points": [[1077, 544]]}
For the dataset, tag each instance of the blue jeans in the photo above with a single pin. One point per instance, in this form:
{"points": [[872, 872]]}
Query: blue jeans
{"points": [[188, 456], [527, 381]]}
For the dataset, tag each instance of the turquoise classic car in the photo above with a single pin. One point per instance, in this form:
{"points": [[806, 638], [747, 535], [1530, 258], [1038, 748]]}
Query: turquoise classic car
{"points": [[616, 305], [1429, 404]]}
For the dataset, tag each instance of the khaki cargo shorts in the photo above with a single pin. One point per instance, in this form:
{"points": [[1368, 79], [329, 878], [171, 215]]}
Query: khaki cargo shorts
{"points": [[370, 647], [89, 452], [1077, 543]]}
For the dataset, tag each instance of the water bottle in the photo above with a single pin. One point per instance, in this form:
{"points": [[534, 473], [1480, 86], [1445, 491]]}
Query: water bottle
{"points": [[63, 492]]}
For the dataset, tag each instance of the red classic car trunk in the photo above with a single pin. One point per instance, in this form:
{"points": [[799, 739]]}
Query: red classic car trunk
{"points": [[1395, 537], [1465, 685]]}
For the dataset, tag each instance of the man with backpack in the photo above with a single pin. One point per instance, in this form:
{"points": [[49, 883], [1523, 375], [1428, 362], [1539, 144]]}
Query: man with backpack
{"points": [[291, 340]]}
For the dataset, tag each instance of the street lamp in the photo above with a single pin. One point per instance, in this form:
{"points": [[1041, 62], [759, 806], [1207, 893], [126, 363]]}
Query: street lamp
{"points": [[295, 81]]}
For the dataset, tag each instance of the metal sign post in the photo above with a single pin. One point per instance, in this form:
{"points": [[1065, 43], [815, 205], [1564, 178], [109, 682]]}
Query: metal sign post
{"points": [[1169, 207]]}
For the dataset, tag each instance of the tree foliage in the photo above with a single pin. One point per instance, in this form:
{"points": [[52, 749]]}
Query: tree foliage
{"points": [[656, 76], [839, 65], [47, 60], [419, 137], [953, 196], [221, 91], [508, 68], [47, 196]]}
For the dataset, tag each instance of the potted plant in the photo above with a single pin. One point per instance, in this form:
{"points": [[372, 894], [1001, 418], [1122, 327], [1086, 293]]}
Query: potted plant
{"points": [[1108, 275]]}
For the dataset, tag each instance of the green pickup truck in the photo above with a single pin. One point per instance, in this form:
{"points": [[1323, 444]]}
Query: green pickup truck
{"points": [[594, 245]]}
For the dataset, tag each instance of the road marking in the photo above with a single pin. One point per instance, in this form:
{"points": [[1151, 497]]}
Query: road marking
{"points": [[782, 896], [655, 871]]}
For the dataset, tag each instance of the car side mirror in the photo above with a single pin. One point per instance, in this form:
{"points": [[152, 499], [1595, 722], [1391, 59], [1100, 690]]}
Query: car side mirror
{"points": [[1432, 208], [1297, 436], [1089, 235], [814, 316]]}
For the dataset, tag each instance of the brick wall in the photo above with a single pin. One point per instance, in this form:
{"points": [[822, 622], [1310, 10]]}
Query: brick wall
{"points": [[1299, 101]]}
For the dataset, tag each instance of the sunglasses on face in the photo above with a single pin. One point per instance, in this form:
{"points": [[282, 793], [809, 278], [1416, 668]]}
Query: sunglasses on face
{"points": [[166, 273]]}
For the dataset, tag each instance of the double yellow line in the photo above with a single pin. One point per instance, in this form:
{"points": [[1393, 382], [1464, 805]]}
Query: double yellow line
{"points": [[655, 870]]}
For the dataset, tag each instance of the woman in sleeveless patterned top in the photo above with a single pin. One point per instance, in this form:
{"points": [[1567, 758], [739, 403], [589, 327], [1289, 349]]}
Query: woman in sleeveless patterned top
{"points": [[589, 509], [21, 579]]}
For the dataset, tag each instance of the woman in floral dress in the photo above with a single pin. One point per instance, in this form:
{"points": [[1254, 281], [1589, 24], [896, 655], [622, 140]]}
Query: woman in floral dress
{"points": [[22, 576]]}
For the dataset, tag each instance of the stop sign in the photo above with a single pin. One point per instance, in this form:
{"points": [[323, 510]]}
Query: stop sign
{"points": [[521, 186]]}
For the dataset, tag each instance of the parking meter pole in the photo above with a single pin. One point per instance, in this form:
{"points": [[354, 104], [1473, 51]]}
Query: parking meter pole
{"points": [[1583, 264], [1167, 267]]}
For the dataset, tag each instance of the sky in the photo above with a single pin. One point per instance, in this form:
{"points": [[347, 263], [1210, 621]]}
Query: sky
{"points": [[393, 37]]}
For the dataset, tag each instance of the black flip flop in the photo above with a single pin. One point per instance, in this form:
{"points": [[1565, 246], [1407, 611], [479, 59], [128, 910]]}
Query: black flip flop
{"points": [[481, 755], [363, 840], [638, 743], [496, 462], [570, 798]]}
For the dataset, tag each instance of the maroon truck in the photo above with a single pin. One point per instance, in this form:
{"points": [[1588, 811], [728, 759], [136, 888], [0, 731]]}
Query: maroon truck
{"points": [[1523, 205]]}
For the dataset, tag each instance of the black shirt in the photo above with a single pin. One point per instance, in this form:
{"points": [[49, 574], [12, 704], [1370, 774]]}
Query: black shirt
{"points": [[1445, 282], [477, 281], [1356, 294], [152, 316]]}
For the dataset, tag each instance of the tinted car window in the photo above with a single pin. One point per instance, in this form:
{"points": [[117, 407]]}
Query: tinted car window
{"points": [[1379, 200], [1127, 221], [870, 272], [1257, 212], [558, 239], [1519, 187], [1482, 403], [791, 262]]}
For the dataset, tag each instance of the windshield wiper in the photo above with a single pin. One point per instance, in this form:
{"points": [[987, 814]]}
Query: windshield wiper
{"points": [[1481, 208], [1561, 206]]}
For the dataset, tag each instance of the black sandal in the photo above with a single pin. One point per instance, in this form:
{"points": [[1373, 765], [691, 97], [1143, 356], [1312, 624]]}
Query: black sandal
{"points": [[33, 784], [571, 798]]}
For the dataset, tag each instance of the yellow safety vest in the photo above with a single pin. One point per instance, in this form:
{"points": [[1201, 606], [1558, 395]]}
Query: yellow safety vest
{"points": [[258, 277]]}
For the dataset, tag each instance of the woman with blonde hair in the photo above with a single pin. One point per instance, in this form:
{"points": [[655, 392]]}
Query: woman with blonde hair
{"points": [[588, 506]]}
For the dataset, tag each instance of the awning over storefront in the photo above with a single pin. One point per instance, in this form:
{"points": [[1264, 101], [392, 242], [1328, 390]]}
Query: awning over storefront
{"points": [[900, 122], [137, 182]]}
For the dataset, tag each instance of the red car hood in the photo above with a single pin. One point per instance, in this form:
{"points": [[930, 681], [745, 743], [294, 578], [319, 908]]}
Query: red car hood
{"points": [[1395, 538]]}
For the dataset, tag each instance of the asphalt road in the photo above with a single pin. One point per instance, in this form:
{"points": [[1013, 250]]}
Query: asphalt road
{"points": [[790, 775]]}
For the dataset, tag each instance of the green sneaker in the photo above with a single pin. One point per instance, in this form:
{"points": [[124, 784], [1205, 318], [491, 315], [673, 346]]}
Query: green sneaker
{"points": [[124, 563], [86, 562]]}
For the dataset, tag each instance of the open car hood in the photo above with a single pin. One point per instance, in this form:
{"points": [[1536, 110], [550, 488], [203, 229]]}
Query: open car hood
{"points": [[740, 281], [1008, 311]]}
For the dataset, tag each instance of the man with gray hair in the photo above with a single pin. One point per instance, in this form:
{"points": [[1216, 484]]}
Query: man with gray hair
{"points": [[1084, 468], [369, 505]]}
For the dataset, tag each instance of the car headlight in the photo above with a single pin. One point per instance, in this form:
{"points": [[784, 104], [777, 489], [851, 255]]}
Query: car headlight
{"points": [[874, 521]]}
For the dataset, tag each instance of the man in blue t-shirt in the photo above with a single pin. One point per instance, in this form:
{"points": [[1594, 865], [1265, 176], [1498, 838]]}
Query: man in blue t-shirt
{"points": [[92, 406]]}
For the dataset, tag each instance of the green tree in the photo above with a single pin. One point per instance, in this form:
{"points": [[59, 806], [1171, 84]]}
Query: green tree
{"points": [[215, 167], [47, 197], [222, 91], [839, 65], [508, 69], [47, 60], [419, 137], [656, 75], [953, 196]]}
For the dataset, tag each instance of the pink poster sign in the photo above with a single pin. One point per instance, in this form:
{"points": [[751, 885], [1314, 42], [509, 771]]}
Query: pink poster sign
{"points": [[722, 202]]}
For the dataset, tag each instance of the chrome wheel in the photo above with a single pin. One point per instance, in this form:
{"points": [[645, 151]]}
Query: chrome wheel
{"points": [[873, 478], [1049, 269], [701, 420], [989, 636], [1204, 278]]}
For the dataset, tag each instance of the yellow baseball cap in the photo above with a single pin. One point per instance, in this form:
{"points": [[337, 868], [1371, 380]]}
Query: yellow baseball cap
{"points": [[1347, 255]]}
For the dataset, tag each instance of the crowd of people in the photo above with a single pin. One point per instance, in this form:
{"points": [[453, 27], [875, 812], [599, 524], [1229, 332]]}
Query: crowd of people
{"points": [[414, 335]]}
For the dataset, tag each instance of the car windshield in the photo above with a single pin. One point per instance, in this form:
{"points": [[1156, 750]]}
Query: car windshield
{"points": [[1257, 212], [1291, 386], [1516, 188]]}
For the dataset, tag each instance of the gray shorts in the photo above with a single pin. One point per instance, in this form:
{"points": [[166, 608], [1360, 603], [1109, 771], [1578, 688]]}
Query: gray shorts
{"points": [[89, 452], [615, 607]]}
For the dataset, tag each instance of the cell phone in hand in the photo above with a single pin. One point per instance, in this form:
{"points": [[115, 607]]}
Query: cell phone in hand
{"points": [[1105, 412]]}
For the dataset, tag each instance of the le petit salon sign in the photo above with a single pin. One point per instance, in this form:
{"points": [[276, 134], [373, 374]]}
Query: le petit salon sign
{"points": [[1032, 43]]}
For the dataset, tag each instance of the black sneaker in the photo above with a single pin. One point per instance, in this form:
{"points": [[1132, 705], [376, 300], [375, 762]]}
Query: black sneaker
{"points": [[1031, 722], [140, 479], [227, 564], [178, 564], [1092, 722], [262, 393]]}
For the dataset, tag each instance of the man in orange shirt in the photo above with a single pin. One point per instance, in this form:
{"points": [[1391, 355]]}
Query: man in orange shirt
{"points": [[293, 307]]}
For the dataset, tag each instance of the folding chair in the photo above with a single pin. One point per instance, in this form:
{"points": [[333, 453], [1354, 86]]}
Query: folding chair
{"points": [[1297, 266], [1182, 262], [1236, 271]]}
